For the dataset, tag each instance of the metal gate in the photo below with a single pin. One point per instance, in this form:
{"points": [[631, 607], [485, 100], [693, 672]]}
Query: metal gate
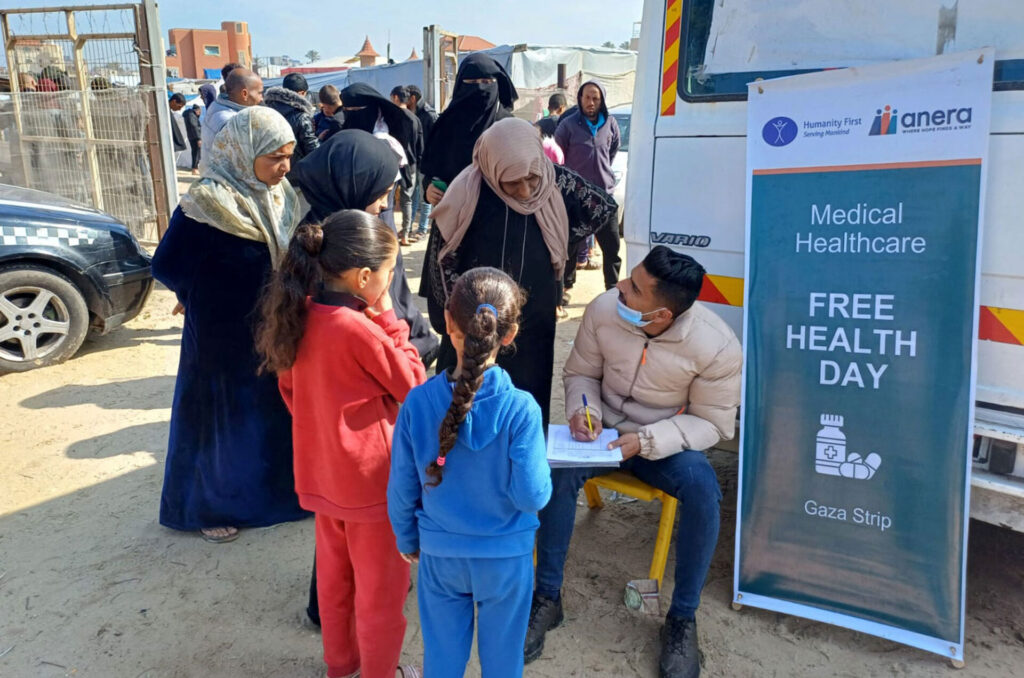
{"points": [[87, 102]]}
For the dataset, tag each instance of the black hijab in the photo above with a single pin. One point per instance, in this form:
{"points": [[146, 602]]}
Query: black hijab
{"points": [[473, 108], [349, 171], [401, 123]]}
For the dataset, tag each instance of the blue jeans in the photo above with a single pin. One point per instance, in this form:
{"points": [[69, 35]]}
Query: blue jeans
{"points": [[420, 206], [687, 476], [450, 590]]}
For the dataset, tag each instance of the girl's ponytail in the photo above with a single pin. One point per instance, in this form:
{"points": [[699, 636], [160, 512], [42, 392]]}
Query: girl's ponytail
{"points": [[283, 307], [348, 239], [485, 304]]}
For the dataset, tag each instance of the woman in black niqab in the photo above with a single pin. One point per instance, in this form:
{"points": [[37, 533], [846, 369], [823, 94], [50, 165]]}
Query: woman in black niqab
{"points": [[363, 105], [474, 107], [353, 170]]}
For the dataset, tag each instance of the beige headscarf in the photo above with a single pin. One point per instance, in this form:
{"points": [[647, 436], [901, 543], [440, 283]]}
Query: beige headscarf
{"points": [[230, 198], [509, 150]]}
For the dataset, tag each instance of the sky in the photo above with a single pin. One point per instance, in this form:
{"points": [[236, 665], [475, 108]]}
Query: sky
{"points": [[337, 28]]}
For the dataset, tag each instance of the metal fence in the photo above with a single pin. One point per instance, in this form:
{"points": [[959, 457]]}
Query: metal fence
{"points": [[81, 118]]}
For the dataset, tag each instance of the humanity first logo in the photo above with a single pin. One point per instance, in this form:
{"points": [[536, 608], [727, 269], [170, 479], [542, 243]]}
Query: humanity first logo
{"points": [[885, 122], [779, 131]]}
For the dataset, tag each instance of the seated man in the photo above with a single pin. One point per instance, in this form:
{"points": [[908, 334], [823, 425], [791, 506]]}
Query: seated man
{"points": [[665, 372]]}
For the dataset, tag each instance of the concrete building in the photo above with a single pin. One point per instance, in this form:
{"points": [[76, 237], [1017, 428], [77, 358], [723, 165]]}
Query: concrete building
{"points": [[200, 53], [35, 55], [365, 57]]}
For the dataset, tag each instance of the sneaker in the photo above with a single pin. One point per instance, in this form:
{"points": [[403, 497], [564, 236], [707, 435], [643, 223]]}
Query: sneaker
{"points": [[545, 614], [680, 653]]}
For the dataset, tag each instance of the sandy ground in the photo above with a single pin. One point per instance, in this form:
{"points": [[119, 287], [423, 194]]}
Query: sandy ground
{"points": [[91, 585]]}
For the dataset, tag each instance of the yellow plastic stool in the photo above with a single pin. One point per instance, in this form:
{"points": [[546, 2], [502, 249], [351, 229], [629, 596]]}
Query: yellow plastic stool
{"points": [[628, 484]]}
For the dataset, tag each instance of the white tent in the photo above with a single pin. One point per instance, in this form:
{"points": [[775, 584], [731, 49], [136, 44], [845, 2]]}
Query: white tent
{"points": [[533, 69]]}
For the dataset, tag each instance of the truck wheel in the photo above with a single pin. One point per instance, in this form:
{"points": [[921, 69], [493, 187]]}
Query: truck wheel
{"points": [[43, 318]]}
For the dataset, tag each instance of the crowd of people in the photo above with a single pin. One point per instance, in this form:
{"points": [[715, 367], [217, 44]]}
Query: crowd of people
{"points": [[302, 385]]}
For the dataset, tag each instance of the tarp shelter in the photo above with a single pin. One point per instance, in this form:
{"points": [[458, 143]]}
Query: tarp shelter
{"points": [[533, 68]]}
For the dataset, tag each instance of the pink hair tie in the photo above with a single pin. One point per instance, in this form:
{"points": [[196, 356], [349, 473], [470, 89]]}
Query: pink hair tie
{"points": [[440, 461]]}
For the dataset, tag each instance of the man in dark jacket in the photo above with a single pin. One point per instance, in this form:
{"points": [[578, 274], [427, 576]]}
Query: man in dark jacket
{"points": [[291, 102], [427, 116], [176, 103], [331, 118], [589, 137], [194, 132]]}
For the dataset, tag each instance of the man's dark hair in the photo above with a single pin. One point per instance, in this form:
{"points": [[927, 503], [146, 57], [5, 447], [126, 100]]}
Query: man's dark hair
{"points": [[226, 70], [329, 96], [402, 92], [177, 98], [556, 101], [415, 91], [196, 107], [679, 278], [295, 82]]}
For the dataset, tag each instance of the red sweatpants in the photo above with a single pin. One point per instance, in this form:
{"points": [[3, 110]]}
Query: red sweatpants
{"points": [[362, 583]]}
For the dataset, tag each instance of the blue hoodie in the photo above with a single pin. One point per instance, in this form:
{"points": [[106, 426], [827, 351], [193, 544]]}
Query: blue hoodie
{"points": [[495, 480]]}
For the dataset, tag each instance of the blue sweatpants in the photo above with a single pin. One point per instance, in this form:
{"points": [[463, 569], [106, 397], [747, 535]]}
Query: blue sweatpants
{"points": [[448, 588]]}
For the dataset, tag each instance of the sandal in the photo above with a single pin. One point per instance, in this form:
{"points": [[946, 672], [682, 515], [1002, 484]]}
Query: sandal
{"points": [[219, 539], [561, 313], [409, 671]]}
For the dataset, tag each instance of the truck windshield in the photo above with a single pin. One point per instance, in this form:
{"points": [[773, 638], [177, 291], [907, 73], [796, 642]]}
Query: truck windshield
{"points": [[727, 44]]}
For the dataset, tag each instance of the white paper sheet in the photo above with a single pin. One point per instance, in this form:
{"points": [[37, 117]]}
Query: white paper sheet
{"points": [[564, 450]]}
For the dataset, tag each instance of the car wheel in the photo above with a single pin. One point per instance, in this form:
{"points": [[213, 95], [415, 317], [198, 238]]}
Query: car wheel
{"points": [[43, 318]]}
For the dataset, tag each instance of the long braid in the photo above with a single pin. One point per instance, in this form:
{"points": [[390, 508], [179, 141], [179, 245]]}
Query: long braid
{"points": [[497, 301]]}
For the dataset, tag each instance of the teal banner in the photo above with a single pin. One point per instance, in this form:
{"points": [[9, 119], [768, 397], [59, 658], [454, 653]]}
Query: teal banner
{"points": [[856, 417]]}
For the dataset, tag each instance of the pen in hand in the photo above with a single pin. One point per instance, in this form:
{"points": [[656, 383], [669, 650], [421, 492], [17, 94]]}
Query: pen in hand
{"points": [[586, 408]]}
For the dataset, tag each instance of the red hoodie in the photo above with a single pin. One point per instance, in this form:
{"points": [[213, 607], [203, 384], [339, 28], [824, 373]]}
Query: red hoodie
{"points": [[343, 391]]}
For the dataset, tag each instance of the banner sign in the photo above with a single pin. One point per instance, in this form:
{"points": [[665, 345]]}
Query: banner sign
{"points": [[864, 211]]}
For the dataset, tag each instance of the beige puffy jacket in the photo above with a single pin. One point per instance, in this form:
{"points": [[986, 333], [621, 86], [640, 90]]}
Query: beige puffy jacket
{"points": [[678, 390]]}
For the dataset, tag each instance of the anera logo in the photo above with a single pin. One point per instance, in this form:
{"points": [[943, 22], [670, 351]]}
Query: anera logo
{"points": [[779, 131], [885, 122]]}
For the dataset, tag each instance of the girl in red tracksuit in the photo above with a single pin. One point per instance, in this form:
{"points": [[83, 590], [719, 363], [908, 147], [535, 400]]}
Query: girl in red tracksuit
{"points": [[344, 363]]}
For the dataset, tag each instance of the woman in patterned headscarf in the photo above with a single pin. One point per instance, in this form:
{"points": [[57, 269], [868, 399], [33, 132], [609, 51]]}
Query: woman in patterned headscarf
{"points": [[513, 210], [229, 457]]}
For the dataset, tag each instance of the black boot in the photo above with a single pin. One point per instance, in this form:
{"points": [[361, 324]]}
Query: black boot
{"points": [[680, 653], [545, 614]]}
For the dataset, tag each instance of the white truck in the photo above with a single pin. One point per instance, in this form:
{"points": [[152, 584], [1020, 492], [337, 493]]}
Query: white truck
{"points": [[687, 164]]}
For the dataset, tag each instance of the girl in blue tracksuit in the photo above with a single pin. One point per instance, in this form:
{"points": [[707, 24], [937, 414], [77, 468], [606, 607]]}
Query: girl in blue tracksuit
{"points": [[468, 475]]}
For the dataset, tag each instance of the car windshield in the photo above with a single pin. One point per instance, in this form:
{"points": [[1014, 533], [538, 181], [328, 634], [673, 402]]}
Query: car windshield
{"points": [[623, 120]]}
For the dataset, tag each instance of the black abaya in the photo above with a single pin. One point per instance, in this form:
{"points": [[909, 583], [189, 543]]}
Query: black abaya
{"points": [[473, 109], [520, 251], [505, 239]]}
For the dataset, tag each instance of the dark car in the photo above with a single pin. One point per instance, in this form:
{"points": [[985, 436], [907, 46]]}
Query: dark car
{"points": [[65, 268]]}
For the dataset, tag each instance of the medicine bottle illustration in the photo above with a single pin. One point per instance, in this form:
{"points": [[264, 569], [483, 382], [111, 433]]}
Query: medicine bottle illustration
{"points": [[830, 451]]}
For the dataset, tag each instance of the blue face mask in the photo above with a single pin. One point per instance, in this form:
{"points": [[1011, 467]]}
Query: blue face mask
{"points": [[634, 317]]}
